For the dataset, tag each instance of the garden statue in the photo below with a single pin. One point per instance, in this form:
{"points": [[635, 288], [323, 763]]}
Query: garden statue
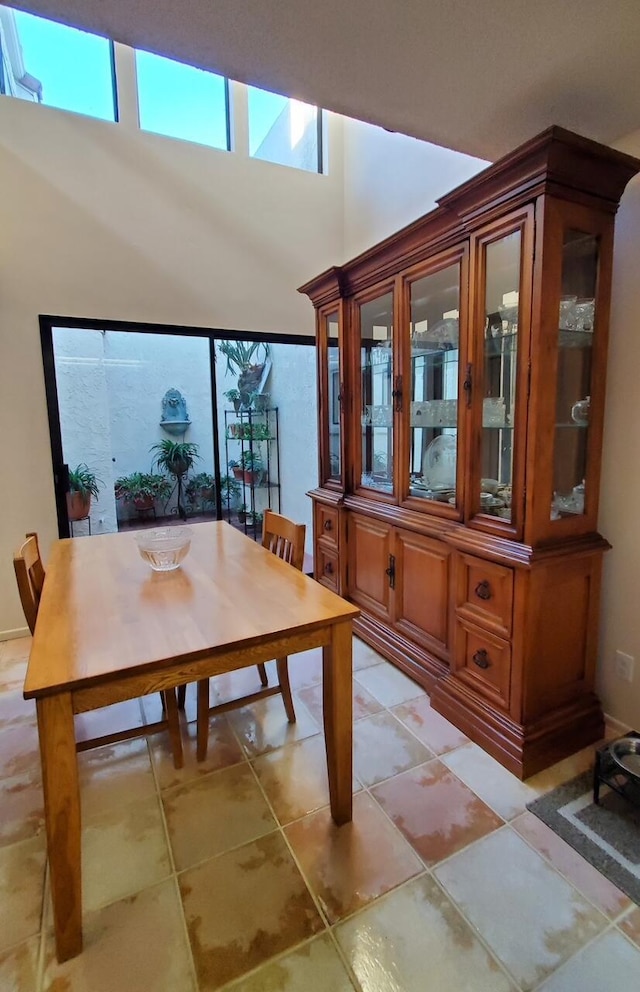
{"points": [[175, 419]]}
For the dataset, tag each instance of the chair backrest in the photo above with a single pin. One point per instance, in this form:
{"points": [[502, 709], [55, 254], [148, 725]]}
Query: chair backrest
{"points": [[283, 538], [30, 577]]}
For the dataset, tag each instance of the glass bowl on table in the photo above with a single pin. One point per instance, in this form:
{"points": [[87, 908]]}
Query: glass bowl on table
{"points": [[164, 548]]}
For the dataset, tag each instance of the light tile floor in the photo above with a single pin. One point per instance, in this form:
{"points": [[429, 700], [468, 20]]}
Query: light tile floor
{"points": [[231, 874]]}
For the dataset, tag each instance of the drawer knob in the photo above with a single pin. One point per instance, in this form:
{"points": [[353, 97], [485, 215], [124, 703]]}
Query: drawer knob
{"points": [[328, 524], [481, 659], [483, 590], [328, 568]]}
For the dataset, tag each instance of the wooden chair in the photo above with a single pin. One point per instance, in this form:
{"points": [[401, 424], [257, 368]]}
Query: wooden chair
{"points": [[30, 575], [285, 539]]}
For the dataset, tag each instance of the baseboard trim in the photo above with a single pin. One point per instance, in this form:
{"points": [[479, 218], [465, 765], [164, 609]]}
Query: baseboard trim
{"points": [[10, 635], [620, 728]]}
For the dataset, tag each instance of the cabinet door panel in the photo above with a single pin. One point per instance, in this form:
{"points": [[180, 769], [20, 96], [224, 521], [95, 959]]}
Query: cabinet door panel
{"points": [[422, 590], [369, 549], [330, 392], [561, 638], [376, 385]]}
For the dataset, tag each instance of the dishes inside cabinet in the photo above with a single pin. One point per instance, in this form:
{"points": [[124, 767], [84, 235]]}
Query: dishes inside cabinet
{"points": [[443, 334], [439, 463]]}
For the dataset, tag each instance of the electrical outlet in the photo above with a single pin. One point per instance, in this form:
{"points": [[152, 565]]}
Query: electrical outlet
{"points": [[624, 666]]}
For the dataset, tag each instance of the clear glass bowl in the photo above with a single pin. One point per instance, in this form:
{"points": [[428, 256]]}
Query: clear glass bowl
{"points": [[163, 548]]}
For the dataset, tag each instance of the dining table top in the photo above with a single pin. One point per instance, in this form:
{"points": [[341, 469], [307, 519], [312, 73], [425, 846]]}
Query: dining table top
{"points": [[104, 610]]}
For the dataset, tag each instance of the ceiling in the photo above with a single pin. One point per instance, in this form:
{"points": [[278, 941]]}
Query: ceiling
{"points": [[479, 76]]}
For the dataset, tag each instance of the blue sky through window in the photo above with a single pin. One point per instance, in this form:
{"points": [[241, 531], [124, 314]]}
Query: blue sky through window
{"points": [[73, 66], [174, 99], [181, 101]]}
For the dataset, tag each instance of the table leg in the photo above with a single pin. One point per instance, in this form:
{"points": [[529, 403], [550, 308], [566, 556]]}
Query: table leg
{"points": [[62, 817], [337, 689]]}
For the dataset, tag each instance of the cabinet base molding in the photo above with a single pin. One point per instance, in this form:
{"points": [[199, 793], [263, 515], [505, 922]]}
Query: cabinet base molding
{"points": [[523, 749], [422, 667]]}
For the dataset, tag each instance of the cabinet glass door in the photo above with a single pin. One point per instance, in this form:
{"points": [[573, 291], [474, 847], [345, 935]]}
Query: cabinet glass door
{"points": [[433, 412], [376, 388], [499, 373], [576, 323], [330, 355]]}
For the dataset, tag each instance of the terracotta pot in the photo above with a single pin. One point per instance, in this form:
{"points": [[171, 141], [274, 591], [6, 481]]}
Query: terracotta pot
{"points": [[143, 502], [253, 478], [78, 506], [238, 472]]}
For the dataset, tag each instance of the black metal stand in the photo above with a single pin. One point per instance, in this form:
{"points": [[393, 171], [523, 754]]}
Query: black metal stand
{"points": [[607, 771], [257, 432]]}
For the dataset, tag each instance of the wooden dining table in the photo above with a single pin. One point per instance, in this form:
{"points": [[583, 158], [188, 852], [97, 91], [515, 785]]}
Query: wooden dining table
{"points": [[111, 629]]}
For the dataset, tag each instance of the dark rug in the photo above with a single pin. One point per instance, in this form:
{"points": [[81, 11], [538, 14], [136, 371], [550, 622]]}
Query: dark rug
{"points": [[608, 835]]}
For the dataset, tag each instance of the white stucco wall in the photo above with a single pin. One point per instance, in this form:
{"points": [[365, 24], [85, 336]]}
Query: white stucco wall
{"points": [[110, 390], [391, 180], [84, 403]]}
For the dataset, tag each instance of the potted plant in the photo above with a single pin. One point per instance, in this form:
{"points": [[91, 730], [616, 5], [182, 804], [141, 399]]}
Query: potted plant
{"points": [[242, 513], [201, 487], [236, 468], [233, 395], [260, 402], [142, 489], [253, 467], [83, 484], [244, 360], [176, 458]]}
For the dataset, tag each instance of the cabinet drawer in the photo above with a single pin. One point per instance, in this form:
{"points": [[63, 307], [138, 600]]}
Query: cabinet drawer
{"points": [[327, 567], [327, 524], [483, 661], [485, 593]]}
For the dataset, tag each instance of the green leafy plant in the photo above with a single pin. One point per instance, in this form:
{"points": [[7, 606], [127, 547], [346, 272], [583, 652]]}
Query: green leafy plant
{"points": [[84, 481], [236, 468], [141, 486], [201, 486], [241, 355], [252, 461], [174, 457]]}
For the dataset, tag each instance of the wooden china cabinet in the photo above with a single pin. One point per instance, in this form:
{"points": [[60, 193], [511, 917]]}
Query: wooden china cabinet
{"points": [[461, 373]]}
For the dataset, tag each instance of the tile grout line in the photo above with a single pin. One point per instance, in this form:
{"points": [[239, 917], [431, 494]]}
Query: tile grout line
{"points": [[174, 874]]}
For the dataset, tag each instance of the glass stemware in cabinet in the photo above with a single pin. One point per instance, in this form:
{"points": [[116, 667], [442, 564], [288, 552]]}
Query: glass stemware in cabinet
{"points": [[376, 393], [499, 373], [576, 323], [433, 412]]}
